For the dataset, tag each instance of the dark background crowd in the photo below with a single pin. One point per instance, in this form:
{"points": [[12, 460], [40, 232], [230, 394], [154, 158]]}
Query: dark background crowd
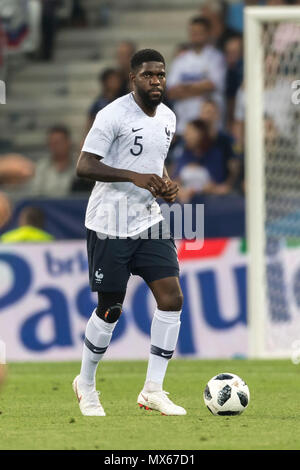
{"points": [[205, 88]]}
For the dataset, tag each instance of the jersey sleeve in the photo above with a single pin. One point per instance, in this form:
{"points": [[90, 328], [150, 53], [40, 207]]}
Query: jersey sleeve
{"points": [[102, 134]]}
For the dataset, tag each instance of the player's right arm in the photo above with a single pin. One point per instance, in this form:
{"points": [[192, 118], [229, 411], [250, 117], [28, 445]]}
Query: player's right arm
{"points": [[89, 166]]}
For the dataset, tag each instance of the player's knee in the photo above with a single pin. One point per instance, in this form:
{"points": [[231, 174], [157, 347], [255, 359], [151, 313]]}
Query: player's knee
{"points": [[110, 306], [171, 302], [111, 314]]}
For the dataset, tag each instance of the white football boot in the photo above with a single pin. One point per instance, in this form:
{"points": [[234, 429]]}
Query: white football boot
{"points": [[159, 401], [89, 402]]}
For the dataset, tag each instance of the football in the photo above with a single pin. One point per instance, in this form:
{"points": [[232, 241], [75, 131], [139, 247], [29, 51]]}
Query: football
{"points": [[226, 394]]}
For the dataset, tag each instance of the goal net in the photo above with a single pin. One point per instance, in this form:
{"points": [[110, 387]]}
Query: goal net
{"points": [[273, 179]]}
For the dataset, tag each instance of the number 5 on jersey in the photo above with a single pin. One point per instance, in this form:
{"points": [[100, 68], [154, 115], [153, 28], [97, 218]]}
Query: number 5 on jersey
{"points": [[138, 146]]}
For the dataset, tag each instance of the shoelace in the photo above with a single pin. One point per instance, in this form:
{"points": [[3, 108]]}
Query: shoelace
{"points": [[164, 394]]}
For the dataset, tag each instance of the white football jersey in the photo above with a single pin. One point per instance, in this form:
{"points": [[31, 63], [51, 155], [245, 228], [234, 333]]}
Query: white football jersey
{"points": [[128, 139], [190, 67]]}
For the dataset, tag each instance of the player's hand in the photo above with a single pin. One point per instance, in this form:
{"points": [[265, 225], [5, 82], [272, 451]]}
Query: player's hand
{"points": [[170, 193], [154, 183]]}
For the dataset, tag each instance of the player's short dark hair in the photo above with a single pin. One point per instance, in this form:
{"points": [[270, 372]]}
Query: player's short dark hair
{"points": [[145, 55], [201, 20], [60, 128]]}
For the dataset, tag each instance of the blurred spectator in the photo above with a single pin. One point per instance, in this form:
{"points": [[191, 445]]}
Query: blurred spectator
{"points": [[215, 12], [48, 28], [110, 82], [223, 162], [33, 39], [238, 125], [14, 19], [78, 15], [71, 13], [277, 92], [31, 224], [277, 97], [196, 75], [190, 171], [208, 163], [30, 25], [276, 3], [5, 210], [105, 11], [15, 169], [181, 48], [125, 51], [2, 51], [285, 35], [21, 25], [55, 173], [234, 75]]}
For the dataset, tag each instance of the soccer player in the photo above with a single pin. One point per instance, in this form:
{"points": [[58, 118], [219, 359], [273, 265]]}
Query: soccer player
{"points": [[124, 153]]}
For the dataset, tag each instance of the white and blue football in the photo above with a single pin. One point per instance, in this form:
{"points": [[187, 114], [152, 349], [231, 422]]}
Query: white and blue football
{"points": [[226, 394]]}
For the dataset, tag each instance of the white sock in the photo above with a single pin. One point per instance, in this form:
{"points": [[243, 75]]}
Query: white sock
{"points": [[98, 334], [164, 334]]}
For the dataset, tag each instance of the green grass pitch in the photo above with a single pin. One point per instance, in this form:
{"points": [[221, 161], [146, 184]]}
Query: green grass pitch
{"points": [[38, 409]]}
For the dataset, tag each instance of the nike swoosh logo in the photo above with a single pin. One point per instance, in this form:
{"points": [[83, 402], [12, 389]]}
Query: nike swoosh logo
{"points": [[163, 354], [135, 130]]}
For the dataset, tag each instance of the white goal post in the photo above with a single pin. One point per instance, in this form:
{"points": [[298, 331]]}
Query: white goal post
{"points": [[262, 22]]}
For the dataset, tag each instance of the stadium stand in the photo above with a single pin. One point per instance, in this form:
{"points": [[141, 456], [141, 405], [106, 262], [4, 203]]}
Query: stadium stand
{"points": [[40, 92], [60, 91]]}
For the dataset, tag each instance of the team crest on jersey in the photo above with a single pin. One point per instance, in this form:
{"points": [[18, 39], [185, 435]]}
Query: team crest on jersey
{"points": [[168, 134], [98, 276]]}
